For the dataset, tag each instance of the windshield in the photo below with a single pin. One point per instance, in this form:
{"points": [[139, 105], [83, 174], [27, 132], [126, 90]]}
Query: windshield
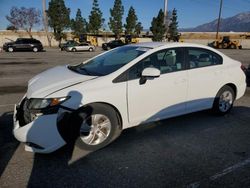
{"points": [[110, 61]]}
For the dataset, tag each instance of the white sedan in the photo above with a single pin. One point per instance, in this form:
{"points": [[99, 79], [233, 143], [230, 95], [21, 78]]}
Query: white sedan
{"points": [[81, 47], [92, 102]]}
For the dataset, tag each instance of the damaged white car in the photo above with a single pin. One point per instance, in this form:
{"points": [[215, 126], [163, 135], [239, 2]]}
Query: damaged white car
{"points": [[92, 102]]}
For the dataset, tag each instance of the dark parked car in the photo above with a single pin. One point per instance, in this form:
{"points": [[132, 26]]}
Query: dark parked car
{"points": [[112, 44], [69, 43], [248, 75], [23, 44]]}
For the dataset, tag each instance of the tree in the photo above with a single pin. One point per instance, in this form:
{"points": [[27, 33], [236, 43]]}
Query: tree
{"points": [[95, 18], [173, 27], [115, 20], [131, 21], [79, 24], [138, 28], [59, 20], [158, 27], [24, 18]]}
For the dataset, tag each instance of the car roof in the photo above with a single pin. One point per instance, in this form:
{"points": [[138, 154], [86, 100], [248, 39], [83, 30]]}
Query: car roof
{"points": [[168, 45]]}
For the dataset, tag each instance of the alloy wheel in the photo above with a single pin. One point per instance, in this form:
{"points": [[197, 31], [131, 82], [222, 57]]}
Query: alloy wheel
{"points": [[95, 129]]}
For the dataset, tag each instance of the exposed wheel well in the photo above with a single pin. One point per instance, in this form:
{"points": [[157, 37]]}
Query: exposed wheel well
{"points": [[233, 87], [107, 104]]}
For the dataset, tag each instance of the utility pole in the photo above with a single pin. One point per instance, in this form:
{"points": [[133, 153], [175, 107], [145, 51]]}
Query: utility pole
{"points": [[166, 12], [218, 24], [166, 17], [45, 22]]}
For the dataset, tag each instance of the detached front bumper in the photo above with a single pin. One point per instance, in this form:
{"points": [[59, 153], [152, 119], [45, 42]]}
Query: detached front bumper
{"points": [[40, 135]]}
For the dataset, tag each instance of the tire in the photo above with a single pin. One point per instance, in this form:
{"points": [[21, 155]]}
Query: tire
{"points": [[91, 49], [93, 136], [10, 49], [225, 45], [35, 49], [73, 50], [220, 46], [233, 46], [224, 100]]}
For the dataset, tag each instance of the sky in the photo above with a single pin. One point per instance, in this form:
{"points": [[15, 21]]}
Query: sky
{"points": [[190, 13]]}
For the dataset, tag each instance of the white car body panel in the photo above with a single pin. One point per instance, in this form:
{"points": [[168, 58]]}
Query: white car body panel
{"points": [[53, 79], [203, 85], [169, 95], [42, 131], [156, 99]]}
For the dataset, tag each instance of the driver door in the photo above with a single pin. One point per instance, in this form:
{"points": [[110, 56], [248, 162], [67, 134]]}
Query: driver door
{"points": [[158, 97]]}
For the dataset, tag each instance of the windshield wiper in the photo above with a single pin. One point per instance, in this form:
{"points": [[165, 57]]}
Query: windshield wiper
{"points": [[85, 70]]}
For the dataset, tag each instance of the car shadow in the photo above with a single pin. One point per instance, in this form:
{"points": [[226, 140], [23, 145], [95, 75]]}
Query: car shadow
{"points": [[8, 144], [153, 154]]}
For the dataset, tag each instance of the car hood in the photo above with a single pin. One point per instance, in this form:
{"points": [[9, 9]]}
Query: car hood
{"points": [[8, 43], [53, 80]]}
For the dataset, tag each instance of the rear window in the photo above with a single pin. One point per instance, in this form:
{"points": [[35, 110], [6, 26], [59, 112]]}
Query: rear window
{"points": [[198, 57]]}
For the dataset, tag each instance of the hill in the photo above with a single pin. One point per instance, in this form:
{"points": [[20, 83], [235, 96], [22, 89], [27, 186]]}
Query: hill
{"points": [[237, 23]]}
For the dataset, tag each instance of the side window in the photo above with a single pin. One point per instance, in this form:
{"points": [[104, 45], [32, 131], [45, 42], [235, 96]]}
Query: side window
{"points": [[198, 58], [167, 61], [27, 41], [19, 41], [172, 61]]}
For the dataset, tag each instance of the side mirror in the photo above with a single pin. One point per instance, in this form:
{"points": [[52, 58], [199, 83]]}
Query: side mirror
{"points": [[149, 73]]}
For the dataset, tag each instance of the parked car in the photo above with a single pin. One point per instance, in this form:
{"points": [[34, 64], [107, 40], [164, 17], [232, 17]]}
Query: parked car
{"points": [[69, 43], [23, 44], [247, 72], [81, 47], [92, 102], [112, 44]]}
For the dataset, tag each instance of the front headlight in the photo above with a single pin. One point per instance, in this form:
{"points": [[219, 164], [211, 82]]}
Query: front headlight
{"points": [[45, 103]]}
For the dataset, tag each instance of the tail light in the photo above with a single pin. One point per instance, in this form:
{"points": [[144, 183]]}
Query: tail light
{"points": [[243, 68]]}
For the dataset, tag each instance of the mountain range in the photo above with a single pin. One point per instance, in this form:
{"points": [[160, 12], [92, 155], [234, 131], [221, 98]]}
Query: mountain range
{"points": [[237, 23]]}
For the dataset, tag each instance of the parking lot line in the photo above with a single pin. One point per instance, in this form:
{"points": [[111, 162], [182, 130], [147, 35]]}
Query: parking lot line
{"points": [[4, 105], [222, 173]]}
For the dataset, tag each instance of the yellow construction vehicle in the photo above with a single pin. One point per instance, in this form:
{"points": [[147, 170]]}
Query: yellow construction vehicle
{"points": [[89, 39], [225, 43], [130, 39]]}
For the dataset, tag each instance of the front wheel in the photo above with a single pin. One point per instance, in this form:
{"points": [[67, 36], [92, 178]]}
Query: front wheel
{"points": [[233, 46], [99, 126], [91, 49], [224, 100], [10, 49]]}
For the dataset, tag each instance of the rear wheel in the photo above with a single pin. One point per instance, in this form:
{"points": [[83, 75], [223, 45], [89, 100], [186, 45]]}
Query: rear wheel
{"points": [[73, 50], [99, 126], [224, 100]]}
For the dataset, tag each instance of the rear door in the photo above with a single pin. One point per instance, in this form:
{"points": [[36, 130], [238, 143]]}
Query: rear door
{"points": [[160, 97], [205, 78]]}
